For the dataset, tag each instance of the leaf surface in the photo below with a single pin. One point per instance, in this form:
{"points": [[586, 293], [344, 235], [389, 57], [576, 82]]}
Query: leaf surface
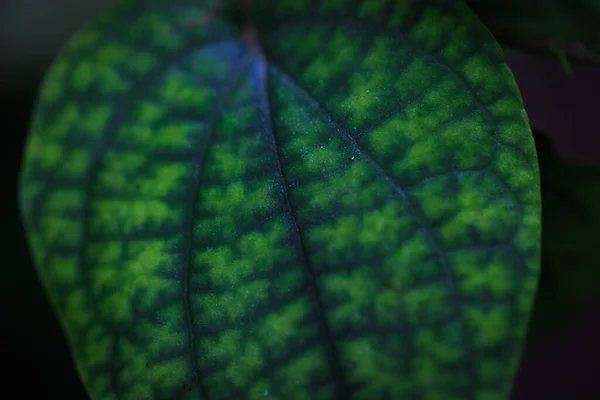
{"points": [[307, 199]]}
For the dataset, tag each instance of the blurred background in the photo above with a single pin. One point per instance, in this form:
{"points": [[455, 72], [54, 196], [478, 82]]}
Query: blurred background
{"points": [[559, 365], [32, 347]]}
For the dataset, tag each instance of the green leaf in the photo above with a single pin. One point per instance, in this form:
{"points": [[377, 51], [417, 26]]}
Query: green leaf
{"points": [[299, 200], [564, 28], [571, 219]]}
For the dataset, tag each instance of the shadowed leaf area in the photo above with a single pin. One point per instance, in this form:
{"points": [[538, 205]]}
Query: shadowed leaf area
{"points": [[571, 219], [302, 200]]}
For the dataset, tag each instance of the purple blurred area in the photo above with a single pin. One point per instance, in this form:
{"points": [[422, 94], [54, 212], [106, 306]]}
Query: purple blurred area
{"points": [[566, 367], [566, 108]]}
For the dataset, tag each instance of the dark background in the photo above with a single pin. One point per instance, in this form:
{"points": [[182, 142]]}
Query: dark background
{"points": [[564, 366], [32, 348]]}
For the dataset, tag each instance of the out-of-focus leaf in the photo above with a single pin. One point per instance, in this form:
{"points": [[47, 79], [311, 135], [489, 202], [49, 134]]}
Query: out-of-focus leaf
{"points": [[566, 28], [570, 278]]}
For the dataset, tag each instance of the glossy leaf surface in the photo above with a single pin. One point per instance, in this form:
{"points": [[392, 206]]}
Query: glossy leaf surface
{"points": [[307, 199]]}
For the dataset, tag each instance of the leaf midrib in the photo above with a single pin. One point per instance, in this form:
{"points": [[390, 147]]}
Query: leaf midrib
{"points": [[341, 386]]}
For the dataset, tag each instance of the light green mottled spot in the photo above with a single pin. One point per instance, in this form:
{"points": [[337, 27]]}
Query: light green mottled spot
{"points": [[341, 50], [62, 270], [491, 326], [76, 312], [279, 327], [476, 281]]}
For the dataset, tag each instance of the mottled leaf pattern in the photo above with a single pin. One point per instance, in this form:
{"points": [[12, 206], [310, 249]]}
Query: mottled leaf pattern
{"points": [[305, 200]]}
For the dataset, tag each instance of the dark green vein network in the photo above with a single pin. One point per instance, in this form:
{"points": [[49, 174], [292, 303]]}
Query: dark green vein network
{"points": [[352, 210]]}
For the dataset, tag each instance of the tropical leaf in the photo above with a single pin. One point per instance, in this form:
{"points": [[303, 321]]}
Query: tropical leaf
{"points": [[291, 199]]}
